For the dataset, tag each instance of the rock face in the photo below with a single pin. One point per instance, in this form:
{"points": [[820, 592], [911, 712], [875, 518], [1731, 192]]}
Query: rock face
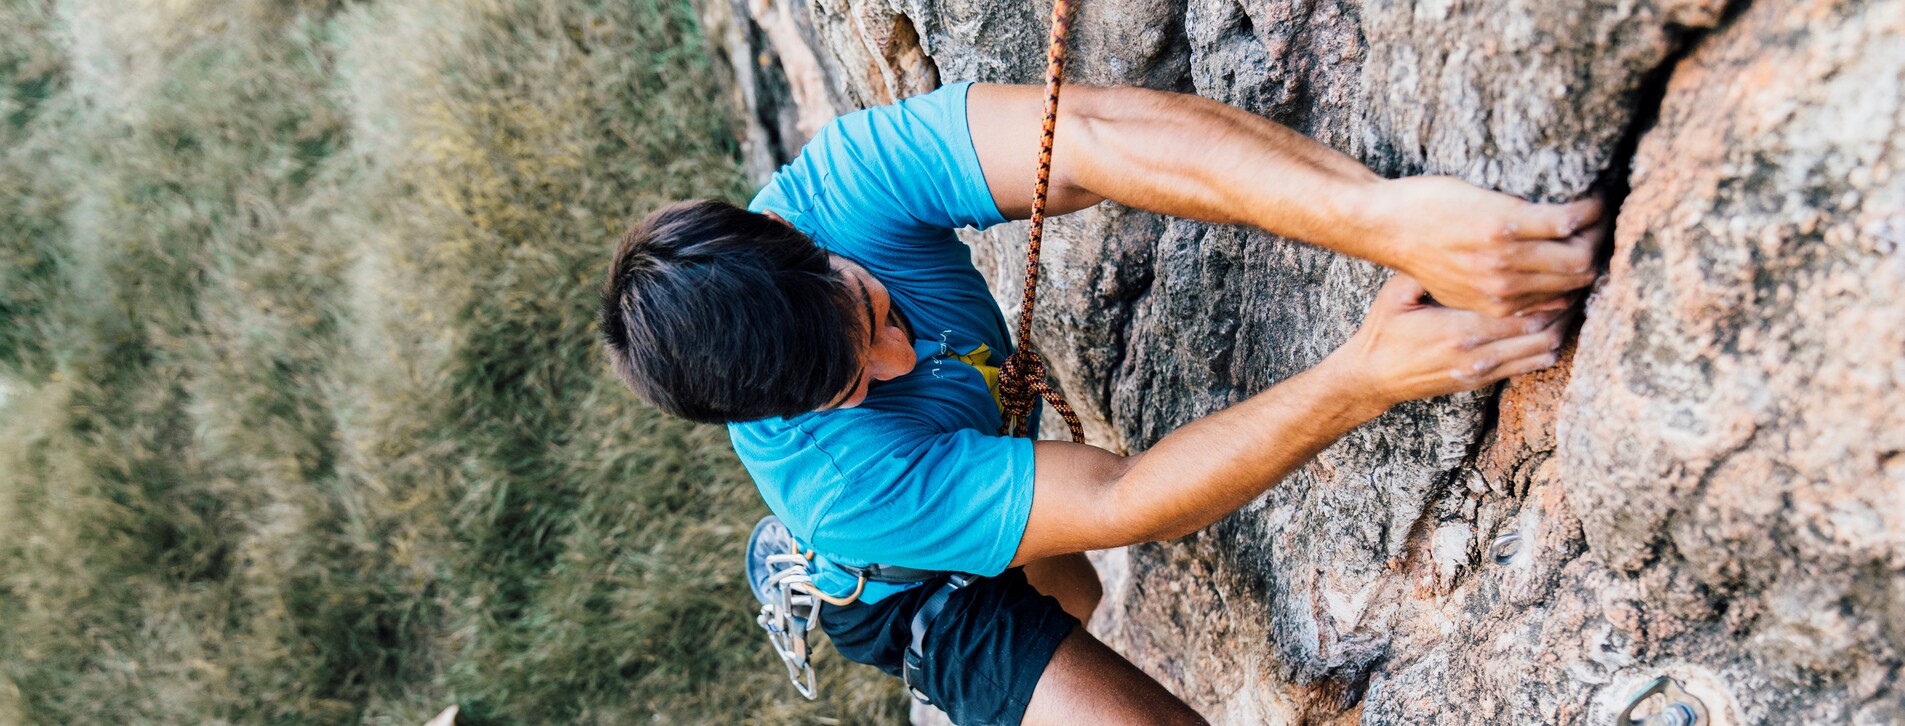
{"points": [[1713, 490]]}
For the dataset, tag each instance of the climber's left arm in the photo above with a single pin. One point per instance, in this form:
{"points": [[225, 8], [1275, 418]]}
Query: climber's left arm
{"points": [[1192, 157]]}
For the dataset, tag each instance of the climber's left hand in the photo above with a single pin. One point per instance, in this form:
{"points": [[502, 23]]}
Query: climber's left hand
{"points": [[1490, 252]]}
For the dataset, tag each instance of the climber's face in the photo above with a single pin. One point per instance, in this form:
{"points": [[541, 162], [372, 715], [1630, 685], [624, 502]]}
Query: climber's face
{"points": [[889, 346]]}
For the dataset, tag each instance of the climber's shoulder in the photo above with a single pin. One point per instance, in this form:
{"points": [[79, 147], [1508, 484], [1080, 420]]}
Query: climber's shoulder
{"points": [[897, 171]]}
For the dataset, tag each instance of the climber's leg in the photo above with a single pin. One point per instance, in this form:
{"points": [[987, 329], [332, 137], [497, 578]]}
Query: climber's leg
{"points": [[999, 649], [1069, 578], [1087, 683]]}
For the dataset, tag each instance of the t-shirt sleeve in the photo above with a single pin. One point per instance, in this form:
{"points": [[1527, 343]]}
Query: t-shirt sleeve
{"points": [[875, 181], [954, 501]]}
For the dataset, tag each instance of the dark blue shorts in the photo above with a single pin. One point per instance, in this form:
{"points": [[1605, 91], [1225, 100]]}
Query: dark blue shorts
{"points": [[983, 654]]}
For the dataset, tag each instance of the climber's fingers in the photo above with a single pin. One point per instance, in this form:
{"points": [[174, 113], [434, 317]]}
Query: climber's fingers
{"points": [[1545, 271], [1483, 330], [1571, 256], [1545, 289], [1511, 356], [1555, 221], [1574, 255], [1543, 303], [1521, 366], [1575, 288], [1521, 293]]}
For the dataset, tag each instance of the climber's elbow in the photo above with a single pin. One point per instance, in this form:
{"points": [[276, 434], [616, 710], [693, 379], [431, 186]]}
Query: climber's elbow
{"points": [[1071, 506], [1139, 508], [1100, 137], [1095, 111]]}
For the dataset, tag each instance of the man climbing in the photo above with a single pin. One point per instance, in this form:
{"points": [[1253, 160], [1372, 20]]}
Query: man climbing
{"points": [[840, 330]]}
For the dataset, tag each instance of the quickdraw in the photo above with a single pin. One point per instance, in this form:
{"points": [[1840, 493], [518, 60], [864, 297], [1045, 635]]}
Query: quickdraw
{"points": [[787, 619], [777, 571]]}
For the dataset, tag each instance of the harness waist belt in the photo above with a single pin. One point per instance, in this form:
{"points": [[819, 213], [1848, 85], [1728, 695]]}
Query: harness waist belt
{"points": [[894, 574]]}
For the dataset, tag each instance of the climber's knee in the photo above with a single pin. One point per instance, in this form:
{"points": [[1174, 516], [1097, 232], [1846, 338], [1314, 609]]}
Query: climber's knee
{"points": [[1086, 682], [1071, 580]]}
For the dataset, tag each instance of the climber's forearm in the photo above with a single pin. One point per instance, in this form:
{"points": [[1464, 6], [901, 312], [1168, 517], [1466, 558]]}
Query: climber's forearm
{"points": [[1086, 498], [1191, 157], [1171, 153], [1211, 467], [1180, 155]]}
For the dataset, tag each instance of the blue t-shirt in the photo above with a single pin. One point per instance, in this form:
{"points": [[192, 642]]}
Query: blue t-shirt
{"points": [[918, 475]]}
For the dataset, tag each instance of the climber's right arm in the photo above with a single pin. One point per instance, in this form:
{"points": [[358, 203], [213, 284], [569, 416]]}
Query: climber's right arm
{"points": [[1086, 498]]}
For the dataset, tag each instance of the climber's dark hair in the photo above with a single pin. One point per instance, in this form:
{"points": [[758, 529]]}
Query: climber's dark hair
{"points": [[717, 314]]}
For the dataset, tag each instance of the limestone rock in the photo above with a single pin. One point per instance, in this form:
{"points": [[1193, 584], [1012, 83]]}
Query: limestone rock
{"points": [[1714, 489]]}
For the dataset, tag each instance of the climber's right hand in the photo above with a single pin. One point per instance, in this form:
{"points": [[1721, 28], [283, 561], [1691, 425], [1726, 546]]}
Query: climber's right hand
{"points": [[1410, 347]]}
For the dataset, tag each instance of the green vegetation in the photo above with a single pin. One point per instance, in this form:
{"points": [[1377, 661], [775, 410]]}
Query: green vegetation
{"points": [[301, 416]]}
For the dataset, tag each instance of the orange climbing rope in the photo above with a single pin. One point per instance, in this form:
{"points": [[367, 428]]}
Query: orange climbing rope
{"points": [[1022, 377]]}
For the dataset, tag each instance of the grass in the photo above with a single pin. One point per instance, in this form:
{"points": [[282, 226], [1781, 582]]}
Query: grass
{"points": [[303, 419]]}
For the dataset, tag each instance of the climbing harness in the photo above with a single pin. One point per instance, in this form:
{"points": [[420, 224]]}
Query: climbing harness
{"points": [[778, 570], [1022, 377]]}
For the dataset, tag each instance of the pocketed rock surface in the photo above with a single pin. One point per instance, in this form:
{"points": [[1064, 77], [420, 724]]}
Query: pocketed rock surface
{"points": [[1712, 486]]}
